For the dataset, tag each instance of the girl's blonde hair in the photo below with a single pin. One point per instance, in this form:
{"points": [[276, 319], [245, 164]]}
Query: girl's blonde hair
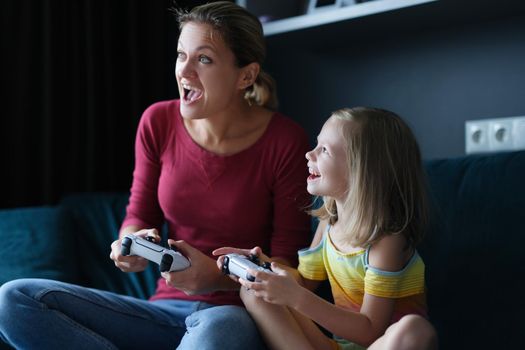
{"points": [[243, 34], [386, 183]]}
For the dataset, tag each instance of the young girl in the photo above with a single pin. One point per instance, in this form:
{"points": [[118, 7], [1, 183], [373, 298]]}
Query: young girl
{"points": [[367, 167]]}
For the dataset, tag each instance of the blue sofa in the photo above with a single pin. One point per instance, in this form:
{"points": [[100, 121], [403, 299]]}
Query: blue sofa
{"points": [[473, 251]]}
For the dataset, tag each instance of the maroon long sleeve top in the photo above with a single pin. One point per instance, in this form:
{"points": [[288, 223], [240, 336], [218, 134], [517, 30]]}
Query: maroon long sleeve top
{"points": [[256, 197]]}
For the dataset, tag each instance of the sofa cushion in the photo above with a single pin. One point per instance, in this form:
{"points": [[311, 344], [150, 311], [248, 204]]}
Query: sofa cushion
{"points": [[98, 217], [474, 252], [37, 242]]}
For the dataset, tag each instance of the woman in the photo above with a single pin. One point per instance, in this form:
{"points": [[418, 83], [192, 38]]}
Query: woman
{"points": [[221, 168]]}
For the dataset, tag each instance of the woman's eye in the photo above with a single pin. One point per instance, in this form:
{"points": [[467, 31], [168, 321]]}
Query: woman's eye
{"points": [[324, 149], [180, 55], [204, 59]]}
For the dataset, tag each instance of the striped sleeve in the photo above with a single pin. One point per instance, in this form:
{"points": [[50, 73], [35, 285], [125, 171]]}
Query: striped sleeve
{"points": [[311, 264], [406, 282]]}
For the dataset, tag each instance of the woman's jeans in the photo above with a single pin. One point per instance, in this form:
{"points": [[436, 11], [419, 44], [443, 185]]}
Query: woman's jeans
{"points": [[45, 314]]}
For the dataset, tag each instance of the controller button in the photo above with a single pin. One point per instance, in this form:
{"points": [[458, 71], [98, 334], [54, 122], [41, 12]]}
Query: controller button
{"points": [[165, 263], [225, 264], [253, 258], [125, 246]]}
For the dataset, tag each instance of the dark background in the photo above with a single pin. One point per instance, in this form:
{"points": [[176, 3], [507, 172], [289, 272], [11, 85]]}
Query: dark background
{"points": [[437, 65], [76, 76]]}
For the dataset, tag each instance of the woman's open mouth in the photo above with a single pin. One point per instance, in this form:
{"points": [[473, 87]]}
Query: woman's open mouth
{"points": [[190, 94]]}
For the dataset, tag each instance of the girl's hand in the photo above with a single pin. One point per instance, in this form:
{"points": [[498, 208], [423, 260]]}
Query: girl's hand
{"points": [[201, 277], [257, 251], [131, 263], [281, 287]]}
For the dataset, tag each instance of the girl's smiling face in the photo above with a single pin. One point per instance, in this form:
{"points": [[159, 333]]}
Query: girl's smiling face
{"points": [[327, 162], [206, 72]]}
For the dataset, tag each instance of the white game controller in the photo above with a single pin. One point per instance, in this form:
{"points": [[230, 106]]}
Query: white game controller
{"points": [[168, 259], [236, 264]]}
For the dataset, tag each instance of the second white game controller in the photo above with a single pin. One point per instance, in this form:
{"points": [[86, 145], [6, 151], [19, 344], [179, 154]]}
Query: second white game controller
{"points": [[236, 264], [168, 259]]}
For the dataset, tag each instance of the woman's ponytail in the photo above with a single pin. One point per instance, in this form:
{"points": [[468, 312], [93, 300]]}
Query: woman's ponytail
{"points": [[263, 92]]}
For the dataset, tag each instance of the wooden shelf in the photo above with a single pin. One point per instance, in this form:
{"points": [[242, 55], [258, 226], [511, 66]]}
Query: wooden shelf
{"points": [[364, 22], [335, 15]]}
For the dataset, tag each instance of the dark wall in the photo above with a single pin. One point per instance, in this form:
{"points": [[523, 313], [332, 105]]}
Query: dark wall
{"points": [[436, 79], [76, 77]]}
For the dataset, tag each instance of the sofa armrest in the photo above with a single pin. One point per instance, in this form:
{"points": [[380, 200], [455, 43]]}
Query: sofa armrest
{"points": [[37, 242], [97, 218]]}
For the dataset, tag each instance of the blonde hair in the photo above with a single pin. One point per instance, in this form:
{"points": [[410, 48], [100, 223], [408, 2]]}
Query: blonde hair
{"points": [[386, 183], [243, 34]]}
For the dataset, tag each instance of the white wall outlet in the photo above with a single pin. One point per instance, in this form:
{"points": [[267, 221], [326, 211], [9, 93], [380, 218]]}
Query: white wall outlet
{"points": [[518, 132], [494, 135], [500, 134], [476, 136]]}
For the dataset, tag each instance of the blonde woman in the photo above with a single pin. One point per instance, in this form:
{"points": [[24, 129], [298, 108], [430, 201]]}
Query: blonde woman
{"points": [[221, 167]]}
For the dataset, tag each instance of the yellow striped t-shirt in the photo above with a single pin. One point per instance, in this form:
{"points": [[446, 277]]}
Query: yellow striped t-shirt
{"points": [[351, 277]]}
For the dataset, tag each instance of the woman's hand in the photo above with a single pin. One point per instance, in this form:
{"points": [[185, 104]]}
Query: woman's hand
{"points": [[131, 263], [280, 287], [201, 277]]}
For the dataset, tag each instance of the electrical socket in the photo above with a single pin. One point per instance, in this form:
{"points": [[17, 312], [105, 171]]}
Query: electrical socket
{"points": [[500, 134], [476, 136], [493, 135]]}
